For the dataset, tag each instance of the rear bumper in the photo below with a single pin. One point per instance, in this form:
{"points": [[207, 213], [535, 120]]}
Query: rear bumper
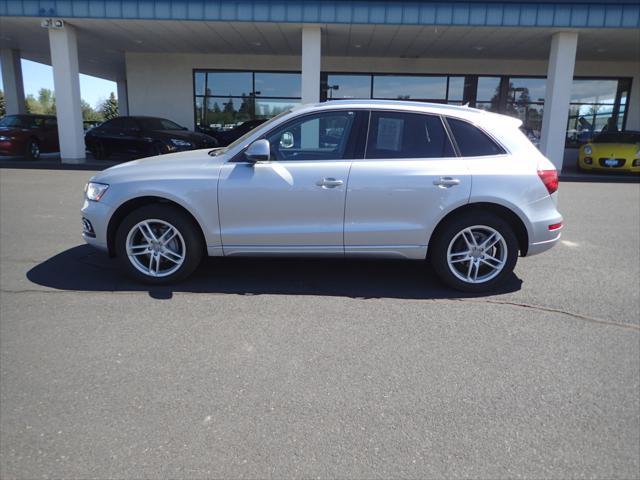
{"points": [[541, 238], [543, 245]]}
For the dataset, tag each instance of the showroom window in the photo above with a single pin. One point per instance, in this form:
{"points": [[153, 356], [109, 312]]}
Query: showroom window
{"points": [[425, 88], [224, 99], [596, 105]]}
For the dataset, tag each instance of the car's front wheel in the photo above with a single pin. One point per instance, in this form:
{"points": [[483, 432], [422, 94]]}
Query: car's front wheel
{"points": [[475, 252], [159, 244]]}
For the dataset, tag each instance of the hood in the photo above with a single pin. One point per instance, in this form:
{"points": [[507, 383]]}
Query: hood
{"points": [[172, 165], [13, 130], [613, 149]]}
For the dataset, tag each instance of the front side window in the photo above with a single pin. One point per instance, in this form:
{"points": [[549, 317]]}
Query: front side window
{"points": [[471, 141], [407, 135], [313, 137]]}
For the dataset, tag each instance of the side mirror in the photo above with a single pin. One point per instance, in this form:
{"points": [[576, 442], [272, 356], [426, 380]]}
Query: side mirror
{"points": [[258, 151]]}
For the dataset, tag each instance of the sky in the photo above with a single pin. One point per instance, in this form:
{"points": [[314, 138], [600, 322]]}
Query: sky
{"points": [[36, 76]]}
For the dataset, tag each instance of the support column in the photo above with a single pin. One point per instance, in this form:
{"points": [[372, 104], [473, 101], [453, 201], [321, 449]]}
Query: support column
{"points": [[12, 81], [633, 102], [123, 99], [562, 60], [66, 81], [311, 57]]}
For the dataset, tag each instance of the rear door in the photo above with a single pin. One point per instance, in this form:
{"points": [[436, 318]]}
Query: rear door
{"points": [[410, 177]]}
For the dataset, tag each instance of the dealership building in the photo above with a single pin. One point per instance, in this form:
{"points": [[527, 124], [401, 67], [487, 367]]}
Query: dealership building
{"points": [[565, 68]]}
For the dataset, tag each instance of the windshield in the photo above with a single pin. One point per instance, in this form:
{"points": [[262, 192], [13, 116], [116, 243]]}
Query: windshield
{"points": [[618, 137], [158, 124], [21, 121], [239, 141]]}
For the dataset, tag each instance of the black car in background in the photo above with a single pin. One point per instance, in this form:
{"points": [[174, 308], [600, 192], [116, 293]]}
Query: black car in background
{"points": [[143, 137], [225, 137]]}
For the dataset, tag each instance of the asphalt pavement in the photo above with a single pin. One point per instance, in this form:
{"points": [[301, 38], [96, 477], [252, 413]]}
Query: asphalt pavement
{"points": [[273, 368]]}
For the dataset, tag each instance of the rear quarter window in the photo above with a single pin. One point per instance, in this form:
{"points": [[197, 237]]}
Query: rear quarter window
{"points": [[473, 142]]}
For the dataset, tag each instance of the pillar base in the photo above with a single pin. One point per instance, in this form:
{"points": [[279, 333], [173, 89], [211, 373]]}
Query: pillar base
{"points": [[73, 161]]}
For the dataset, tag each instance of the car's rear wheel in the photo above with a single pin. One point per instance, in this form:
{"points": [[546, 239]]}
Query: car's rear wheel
{"points": [[475, 252], [159, 244], [32, 150], [99, 151]]}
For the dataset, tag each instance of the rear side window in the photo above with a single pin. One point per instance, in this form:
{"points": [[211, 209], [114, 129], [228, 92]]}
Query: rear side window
{"points": [[471, 141], [407, 135]]}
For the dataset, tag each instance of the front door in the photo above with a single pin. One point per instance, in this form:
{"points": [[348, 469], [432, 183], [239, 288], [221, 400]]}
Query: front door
{"points": [[294, 203]]}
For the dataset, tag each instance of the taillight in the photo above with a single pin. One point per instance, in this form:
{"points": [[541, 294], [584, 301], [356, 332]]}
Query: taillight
{"points": [[555, 226], [550, 179]]}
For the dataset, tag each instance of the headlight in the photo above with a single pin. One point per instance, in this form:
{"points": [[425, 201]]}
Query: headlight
{"points": [[95, 191], [4, 139], [180, 143], [587, 150]]}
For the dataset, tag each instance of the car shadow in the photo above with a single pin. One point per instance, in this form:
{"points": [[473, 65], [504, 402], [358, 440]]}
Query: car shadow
{"points": [[82, 268]]}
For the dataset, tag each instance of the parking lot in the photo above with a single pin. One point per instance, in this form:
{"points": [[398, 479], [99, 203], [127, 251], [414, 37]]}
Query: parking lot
{"points": [[313, 368]]}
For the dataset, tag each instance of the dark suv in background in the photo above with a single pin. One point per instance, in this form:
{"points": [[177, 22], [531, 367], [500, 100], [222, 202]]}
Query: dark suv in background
{"points": [[143, 137]]}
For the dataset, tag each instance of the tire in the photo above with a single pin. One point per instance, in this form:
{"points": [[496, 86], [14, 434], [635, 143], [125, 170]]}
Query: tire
{"points": [[157, 149], [150, 257], [32, 150], [466, 233], [99, 151]]}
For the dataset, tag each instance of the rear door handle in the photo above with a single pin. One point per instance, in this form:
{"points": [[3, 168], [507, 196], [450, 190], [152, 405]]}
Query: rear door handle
{"points": [[329, 183], [446, 182]]}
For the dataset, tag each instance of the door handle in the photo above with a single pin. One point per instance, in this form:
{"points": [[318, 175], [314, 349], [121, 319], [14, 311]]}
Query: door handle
{"points": [[329, 183], [446, 182]]}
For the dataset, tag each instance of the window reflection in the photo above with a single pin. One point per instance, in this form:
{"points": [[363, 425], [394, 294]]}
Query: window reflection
{"points": [[274, 106], [278, 84], [456, 89], [488, 90], [229, 83], [348, 86], [199, 82], [594, 91], [410, 87], [223, 114], [230, 97], [525, 90]]}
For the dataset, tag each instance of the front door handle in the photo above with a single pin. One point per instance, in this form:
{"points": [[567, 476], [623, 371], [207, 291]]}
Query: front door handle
{"points": [[446, 182], [329, 183]]}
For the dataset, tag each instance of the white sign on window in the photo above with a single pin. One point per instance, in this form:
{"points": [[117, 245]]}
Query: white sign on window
{"points": [[389, 134]]}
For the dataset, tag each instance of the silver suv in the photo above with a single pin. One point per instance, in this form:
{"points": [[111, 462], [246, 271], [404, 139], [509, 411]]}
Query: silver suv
{"points": [[460, 187]]}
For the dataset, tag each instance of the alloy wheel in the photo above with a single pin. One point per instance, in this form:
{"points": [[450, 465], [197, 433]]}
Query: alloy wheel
{"points": [[155, 248], [477, 254]]}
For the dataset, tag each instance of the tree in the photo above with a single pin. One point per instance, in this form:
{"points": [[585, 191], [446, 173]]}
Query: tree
{"points": [[3, 107], [88, 112], [109, 108], [47, 100], [33, 105]]}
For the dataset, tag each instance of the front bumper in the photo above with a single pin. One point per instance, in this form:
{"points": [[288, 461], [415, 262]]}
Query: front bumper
{"points": [[596, 166], [12, 148], [97, 214]]}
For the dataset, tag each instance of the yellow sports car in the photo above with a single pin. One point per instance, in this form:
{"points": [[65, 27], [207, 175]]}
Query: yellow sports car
{"points": [[613, 151]]}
